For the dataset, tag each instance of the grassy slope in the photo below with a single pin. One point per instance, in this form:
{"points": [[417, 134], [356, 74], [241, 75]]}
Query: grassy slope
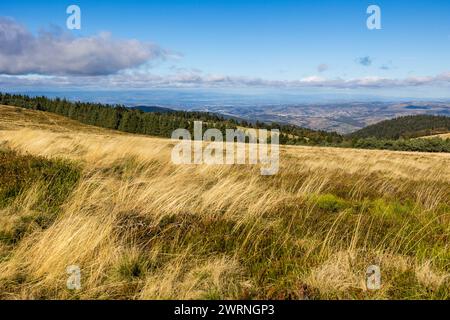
{"points": [[407, 127], [442, 136], [140, 227]]}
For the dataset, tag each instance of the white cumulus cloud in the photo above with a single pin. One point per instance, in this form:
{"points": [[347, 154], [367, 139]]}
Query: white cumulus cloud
{"points": [[59, 53]]}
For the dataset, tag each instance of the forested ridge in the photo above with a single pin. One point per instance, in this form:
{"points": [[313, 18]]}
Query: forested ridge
{"points": [[406, 127], [394, 134], [134, 120]]}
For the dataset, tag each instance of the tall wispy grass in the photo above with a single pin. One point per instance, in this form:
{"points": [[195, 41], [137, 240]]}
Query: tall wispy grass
{"points": [[140, 227]]}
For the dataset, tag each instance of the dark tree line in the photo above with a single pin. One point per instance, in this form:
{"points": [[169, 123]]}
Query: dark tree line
{"points": [[406, 127], [391, 135], [419, 144], [119, 117]]}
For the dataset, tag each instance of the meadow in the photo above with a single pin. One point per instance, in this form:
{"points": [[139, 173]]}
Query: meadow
{"points": [[140, 227]]}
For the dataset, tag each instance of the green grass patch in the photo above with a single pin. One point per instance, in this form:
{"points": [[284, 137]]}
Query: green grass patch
{"points": [[18, 174], [330, 202]]}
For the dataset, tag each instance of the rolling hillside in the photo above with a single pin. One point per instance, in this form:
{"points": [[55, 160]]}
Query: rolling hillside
{"points": [[140, 227], [162, 124], [440, 136], [406, 127], [135, 120]]}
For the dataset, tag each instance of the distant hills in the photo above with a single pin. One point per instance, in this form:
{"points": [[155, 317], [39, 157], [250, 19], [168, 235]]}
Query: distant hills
{"points": [[343, 114], [162, 121], [341, 117], [396, 134], [406, 127]]}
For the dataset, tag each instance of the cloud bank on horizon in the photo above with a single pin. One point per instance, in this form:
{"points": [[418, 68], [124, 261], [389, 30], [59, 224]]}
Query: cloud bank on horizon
{"points": [[59, 59]]}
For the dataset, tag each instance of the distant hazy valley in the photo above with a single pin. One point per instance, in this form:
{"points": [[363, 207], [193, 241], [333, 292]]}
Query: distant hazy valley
{"points": [[315, 112], [340, 117]]}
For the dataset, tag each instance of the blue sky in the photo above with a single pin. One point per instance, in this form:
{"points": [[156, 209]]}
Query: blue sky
{"points": [[251, 43]]}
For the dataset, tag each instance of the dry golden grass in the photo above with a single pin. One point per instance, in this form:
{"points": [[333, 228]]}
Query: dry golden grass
{"points": [[141, 227], [15, 118], [442, 136]]}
